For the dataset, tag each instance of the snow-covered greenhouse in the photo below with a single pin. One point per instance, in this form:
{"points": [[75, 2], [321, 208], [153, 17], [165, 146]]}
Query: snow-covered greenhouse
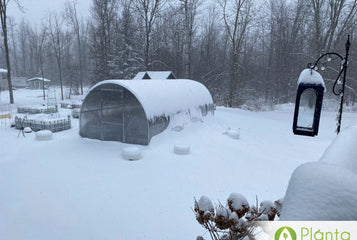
{"points": [[133, 111]]}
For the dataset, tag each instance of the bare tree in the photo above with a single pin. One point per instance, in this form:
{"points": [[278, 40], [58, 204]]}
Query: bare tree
{"points": [[148, 11], [331, 19], [190, 12], [3, 15], [236, 17], [55, 35], [12, 33], [38, 40], [71, 16]]}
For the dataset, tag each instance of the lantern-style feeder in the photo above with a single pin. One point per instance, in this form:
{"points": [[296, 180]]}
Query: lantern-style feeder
{"points": [[308, 103]]}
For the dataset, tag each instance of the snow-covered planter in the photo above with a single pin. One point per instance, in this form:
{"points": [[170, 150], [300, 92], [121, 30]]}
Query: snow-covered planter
{"points": [[182, 149], [131, 153], [71, 104], [52, 122], [44, 135], [37, 109], [76, 112]]}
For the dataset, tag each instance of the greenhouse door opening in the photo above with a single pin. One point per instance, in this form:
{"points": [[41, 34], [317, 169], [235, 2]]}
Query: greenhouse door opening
{"points": [[112, 113]]}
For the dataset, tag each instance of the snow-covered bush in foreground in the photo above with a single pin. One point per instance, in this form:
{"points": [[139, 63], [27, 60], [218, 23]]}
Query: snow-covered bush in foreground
{"points": [[237, 219]]}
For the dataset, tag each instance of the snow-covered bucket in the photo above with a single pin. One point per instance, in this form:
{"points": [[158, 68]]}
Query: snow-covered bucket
{"points": [[131, 153], [182, 149], [27, 130], [44, 135]]}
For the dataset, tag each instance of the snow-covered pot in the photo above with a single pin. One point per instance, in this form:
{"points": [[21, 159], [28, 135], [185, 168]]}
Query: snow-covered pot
{"points": [[131, 153], [182, 149], [27, 130], [44, 135], [325, 190]]}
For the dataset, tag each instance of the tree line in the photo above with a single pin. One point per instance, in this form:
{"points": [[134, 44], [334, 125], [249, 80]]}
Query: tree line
{"points": [[241, 50]]}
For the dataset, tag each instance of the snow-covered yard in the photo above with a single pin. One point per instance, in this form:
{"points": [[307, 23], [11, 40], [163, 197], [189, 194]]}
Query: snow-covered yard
{"points": [[76, 188]]}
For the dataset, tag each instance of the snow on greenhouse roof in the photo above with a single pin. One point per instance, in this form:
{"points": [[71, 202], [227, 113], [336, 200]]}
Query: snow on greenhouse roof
{"points": [[162, 97], [153, 75], [38, 79], [311, 76]]}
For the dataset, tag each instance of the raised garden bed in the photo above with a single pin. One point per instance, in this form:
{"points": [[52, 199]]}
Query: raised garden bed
{"points": [[51, 122], [37, 109]]}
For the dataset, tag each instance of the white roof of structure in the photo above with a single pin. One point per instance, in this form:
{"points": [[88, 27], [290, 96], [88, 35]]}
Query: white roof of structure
{"points": [[162, 97], [38, 79], [311, 76], [3, 70], [154, 74]]}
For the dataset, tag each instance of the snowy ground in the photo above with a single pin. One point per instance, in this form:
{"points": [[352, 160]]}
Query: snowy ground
{"points": [[75, 188]]}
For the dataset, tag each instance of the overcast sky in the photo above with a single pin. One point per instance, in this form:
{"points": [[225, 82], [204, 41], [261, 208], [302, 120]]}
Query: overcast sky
{"points": [[35, 10]]}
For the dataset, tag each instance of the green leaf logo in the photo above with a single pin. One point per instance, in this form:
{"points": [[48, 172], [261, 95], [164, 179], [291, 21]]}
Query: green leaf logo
{"points": [[285, 233]]}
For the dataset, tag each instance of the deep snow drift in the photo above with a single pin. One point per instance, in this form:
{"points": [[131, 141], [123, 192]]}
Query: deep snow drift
{"points": [[326, 190], [75, 188]]}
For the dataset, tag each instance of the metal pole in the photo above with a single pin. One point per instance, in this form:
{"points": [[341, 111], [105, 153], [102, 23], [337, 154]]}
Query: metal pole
{"points": [[345, 64]]}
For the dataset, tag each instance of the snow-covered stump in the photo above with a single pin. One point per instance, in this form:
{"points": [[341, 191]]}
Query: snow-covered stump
{"points": [[182, 149], [131, 153], [325, 190], [44, 135]]}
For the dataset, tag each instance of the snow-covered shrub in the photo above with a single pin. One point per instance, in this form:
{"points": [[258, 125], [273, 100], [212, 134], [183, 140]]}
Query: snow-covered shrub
{"points": [[238, 203], [235, 221], [131, 153]]}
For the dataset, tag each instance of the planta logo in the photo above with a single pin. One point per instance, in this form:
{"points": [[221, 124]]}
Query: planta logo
{"points": [[285, 233]]}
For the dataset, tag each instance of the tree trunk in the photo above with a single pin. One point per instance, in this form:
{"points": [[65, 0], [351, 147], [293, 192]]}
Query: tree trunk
{"points": [[3, 5]]}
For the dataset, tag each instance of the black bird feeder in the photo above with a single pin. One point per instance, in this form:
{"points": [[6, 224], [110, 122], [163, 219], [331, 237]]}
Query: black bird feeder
{"points": [[310, 93]]}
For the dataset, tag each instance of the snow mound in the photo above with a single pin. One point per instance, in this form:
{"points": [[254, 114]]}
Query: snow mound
{"points": [[27, 130], [205, 204], [320, 191], [44, 135], [325, 190], [195, 114], [178, 121], [343, 150], [233, 133], [182, 149], [310, 76], [131, 153]]}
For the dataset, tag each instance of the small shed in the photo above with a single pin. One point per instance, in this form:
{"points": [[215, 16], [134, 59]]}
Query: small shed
{"points": [[133, 111], [155, 75], [37, 82]]}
